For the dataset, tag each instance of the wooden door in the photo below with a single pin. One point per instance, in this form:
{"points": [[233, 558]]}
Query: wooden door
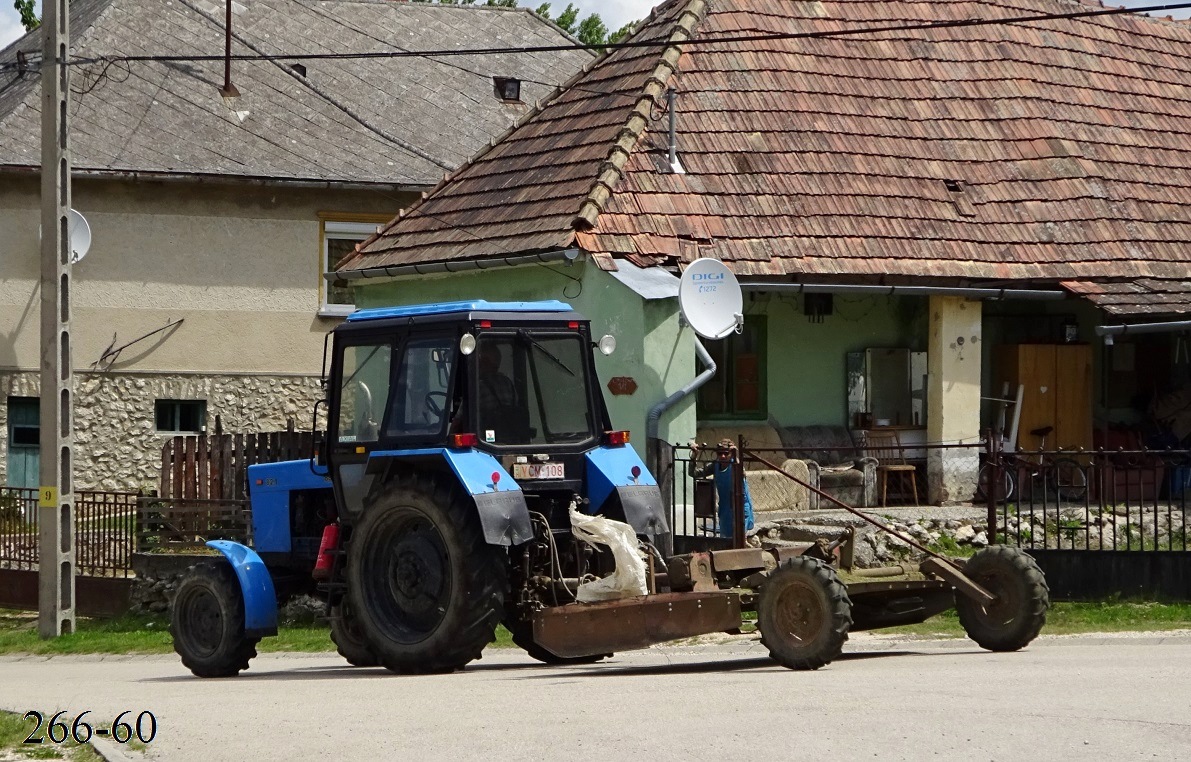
{"points": [[1036, 366], [1073, 405]]}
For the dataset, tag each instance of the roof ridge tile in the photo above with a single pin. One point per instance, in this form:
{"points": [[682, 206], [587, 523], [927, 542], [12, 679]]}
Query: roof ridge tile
{"points": [[611, 170]]}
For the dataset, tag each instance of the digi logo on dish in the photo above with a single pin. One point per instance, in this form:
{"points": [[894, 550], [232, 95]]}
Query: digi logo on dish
{"points": [[707, 276]]}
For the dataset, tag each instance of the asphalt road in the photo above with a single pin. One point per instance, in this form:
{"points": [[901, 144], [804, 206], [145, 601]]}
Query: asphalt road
{"points": [[1083, 697]]}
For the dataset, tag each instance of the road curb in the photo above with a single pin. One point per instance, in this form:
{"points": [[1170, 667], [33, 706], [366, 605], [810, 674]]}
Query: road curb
{"points": [[110, 752]]}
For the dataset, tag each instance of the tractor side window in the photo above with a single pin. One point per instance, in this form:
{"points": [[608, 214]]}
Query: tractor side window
{"points": [[422, 396], [363, 392]]}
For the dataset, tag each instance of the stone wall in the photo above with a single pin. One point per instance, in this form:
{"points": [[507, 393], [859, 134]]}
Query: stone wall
{"points": [[117, 445]]}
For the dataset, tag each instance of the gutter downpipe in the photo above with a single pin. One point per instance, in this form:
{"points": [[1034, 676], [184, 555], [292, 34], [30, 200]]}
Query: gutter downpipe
{"points": [[653, 418], [972, 293], [1108, 331]]}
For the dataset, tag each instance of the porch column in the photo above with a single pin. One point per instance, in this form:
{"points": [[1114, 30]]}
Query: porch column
{"points": [[953, 397]]}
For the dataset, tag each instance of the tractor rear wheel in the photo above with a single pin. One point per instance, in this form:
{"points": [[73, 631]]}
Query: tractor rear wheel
{"points": [[349, 638], [804, 614], [1017, 615], [425, 587], [207, 622]]}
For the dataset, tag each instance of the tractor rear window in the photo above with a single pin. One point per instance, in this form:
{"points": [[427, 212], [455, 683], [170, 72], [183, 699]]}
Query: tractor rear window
{"points": [[363, 392], [533, 389]]}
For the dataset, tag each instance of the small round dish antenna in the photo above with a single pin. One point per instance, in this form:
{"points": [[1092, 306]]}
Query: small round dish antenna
{"points": [[710, 300], [80, 236]]}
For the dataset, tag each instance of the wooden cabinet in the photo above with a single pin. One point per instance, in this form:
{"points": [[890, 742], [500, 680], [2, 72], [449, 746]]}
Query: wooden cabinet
{"points": [[1058, 391]]}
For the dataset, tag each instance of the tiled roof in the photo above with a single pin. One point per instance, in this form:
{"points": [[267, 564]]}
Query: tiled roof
{"points": [[1052, 150], [1139, 297], [401, 121]]}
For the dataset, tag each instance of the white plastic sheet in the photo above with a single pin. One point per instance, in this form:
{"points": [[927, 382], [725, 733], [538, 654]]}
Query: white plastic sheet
{"points": [[629, 577]]}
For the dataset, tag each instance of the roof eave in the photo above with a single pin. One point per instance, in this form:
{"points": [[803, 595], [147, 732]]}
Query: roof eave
{"points": [[215, 179]]}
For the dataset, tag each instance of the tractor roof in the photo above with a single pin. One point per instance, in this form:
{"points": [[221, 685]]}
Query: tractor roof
{"points": [[451, 308]]}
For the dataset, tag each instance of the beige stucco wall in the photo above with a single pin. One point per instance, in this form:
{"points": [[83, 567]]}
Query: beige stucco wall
{"points": [[117, 446], [239, 265]]}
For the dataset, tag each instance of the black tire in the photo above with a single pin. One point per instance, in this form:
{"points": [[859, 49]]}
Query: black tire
{"points": [[207, 622], [1070, 480], [1018, 614], [348, 638], [522, 633], [425, 587], [804, 614], [1005, 485]]}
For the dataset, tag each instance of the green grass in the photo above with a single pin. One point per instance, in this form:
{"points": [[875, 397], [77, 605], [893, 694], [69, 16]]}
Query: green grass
{"points": [[149, 635], [1075, 618], [14, 729]]}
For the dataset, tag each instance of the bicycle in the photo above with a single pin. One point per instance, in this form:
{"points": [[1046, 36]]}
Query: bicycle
{"points": [[1063, 476]]}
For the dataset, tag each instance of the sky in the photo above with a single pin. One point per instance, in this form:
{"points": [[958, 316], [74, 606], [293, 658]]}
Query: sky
{"points": [[615, 13]]}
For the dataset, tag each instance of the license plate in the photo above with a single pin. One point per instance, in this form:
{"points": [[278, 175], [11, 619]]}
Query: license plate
{"points": [[539, 471]]}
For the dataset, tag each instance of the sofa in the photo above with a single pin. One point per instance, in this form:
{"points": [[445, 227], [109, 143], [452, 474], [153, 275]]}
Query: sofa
{"points": [[838, 466], [800, 451]]}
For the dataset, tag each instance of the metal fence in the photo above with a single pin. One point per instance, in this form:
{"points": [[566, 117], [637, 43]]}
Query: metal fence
{"points": [[104, 531], [1123, 500]]}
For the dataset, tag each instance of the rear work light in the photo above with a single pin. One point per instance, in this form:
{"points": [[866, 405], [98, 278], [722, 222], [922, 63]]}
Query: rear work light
{"points": [[464, 440], [616, 438]]}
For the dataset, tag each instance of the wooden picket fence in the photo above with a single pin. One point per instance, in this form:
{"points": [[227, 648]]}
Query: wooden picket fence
{"points": [[215, 466]]}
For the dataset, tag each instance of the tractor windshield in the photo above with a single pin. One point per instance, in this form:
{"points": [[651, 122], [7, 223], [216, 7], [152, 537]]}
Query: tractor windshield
{"points": [[532, 389]]}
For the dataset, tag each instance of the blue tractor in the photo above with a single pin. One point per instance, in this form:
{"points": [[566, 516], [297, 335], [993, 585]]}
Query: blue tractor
{"points": [[467, 447], [458, 436]]}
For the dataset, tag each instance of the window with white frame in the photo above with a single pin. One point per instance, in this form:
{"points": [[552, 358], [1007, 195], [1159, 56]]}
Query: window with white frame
{"points": [[339, 240]]}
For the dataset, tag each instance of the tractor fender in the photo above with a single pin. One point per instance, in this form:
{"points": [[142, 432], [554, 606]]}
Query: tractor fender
{"points": [[610, 471], [500, 503], [256, 586]]}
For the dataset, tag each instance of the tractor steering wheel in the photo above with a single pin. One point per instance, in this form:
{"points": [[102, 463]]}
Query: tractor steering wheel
{"points": [[436, 407]]}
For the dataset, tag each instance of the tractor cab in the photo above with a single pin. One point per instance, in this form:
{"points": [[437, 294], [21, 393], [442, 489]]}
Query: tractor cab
{"points": [[432, 387]]}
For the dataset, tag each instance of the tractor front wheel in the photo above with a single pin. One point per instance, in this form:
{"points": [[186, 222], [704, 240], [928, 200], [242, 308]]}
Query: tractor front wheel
{"points": [[804, 614], [425, 587], [207, 622], [1022, 599]]}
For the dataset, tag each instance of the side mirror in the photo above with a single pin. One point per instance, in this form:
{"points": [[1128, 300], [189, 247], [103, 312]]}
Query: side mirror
{"points": [[319, 440]]}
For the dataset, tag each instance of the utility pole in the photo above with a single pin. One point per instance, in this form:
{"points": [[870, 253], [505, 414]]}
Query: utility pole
{"points": [[56, 496]]}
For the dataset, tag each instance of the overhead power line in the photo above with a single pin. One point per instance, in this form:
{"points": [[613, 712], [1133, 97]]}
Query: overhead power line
{"points": [[657, 43]]}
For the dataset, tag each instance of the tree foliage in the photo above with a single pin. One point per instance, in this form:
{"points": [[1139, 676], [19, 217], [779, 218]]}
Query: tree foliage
{"points": [[29, 18]]}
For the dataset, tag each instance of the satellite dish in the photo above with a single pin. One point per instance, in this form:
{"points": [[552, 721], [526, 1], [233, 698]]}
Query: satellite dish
{"points": [[80, 236], [710, 300]]}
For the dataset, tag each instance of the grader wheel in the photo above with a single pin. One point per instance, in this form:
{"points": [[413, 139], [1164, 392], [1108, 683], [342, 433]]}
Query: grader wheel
{"points": [[804, 614], [1017, 615]]}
